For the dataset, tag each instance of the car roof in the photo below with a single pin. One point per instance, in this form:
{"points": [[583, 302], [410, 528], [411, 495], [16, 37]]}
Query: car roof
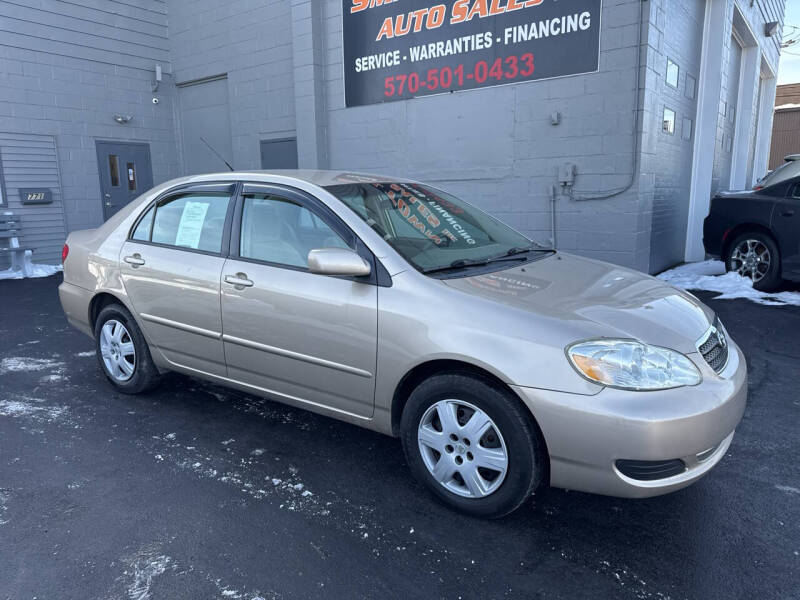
{"points": [[792, 157], [321, 178]]}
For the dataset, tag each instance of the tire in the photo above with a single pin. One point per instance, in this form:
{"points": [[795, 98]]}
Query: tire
{"points": [[143, 375], [766, 277], [512, 430]]}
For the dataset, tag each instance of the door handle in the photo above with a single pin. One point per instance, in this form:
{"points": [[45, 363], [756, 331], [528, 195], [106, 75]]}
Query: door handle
{"points": [[239, 281], [110, 204], [135, 261], [787, 213]]}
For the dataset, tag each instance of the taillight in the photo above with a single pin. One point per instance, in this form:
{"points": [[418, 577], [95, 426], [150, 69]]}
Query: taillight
{"points": [[64, 253], [758, 187]]}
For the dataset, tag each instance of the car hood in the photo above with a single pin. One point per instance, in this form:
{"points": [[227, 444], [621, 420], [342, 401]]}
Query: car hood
{"points": [[596, 299]]}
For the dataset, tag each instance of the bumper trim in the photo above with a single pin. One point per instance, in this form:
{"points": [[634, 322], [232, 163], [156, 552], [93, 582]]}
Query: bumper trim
{"points": [[695, 468]]}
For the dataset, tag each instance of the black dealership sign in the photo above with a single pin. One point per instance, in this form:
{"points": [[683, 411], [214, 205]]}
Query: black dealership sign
{"points": [[399, 49]]}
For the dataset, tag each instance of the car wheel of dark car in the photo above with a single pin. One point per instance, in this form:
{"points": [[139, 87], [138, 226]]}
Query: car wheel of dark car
{"points": [[472, 444], [122, 351], [755, 255]]}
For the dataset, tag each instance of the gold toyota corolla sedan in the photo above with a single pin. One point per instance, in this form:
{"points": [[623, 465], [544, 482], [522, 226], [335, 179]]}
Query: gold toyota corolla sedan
{"points": [[501, 364]]}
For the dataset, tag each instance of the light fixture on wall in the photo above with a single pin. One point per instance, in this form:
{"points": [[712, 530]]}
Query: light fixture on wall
{"points": [[122, 119]]}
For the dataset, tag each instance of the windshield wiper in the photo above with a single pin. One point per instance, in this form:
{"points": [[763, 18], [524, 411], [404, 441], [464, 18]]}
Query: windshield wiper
{"points": [[466, 262], [531, 248]]}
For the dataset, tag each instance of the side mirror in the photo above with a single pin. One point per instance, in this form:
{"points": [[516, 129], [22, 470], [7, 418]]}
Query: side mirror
{"points": [[337, 261]]}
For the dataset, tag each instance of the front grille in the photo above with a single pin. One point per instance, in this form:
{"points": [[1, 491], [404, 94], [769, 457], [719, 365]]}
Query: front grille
{"points": [[650, 470], [714, 347]]}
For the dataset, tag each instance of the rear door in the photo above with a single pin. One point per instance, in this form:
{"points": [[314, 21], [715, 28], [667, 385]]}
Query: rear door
{"points": [[786, 225], [171, 268], [125, 172], [309, 339]]}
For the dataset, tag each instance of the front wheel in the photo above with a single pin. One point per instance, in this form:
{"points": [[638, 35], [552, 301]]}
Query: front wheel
{"points": [[755, 255], [122, 351], [472, 444]]}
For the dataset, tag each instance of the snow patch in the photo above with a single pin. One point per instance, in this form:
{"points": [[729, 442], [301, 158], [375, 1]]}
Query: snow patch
{"points": [[85, 354], [788, 489], [21, 364], [3, 508], [54, 378], [149, 563], [143, 567], [32, 408], [31, 270], [710, 275]]}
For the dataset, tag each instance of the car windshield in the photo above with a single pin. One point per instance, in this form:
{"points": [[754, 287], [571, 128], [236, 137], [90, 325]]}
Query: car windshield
{"points": [[431, 229]]}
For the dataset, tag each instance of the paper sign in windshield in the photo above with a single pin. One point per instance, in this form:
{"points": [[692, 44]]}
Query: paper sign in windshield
{"points": [[191, 226]]}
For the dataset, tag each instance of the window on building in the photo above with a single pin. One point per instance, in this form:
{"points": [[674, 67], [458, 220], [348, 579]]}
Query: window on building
{"points": [[131, 169], [668, 123], [686, 130], [113, 168], [194, 220], [2, 185], [691, 87], [673, 72]]}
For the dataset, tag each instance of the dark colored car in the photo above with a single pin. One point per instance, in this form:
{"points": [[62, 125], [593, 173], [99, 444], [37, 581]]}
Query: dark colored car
{"points": [[757, 233]]}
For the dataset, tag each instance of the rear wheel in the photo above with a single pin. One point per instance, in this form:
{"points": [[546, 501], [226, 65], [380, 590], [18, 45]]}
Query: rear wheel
{"points": [[755, 255], [122, 351], [472, 444]]}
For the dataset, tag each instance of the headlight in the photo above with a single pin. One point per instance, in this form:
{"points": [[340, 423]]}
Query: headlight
{"points": [[631, 365]]}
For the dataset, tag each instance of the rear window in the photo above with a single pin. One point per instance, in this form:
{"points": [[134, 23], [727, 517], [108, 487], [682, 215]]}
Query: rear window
{"points": [[194, 221], [785, 171]]}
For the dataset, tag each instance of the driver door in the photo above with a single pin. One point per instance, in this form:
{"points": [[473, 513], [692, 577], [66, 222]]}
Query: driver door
{"points": [[309, 339]]}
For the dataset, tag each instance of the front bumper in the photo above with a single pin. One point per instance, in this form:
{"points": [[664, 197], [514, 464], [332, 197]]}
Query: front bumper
{"points": [[586, 435]]}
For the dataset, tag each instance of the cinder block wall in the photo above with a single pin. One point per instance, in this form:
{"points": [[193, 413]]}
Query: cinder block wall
{"points": [[251, 42], [67, 68]]}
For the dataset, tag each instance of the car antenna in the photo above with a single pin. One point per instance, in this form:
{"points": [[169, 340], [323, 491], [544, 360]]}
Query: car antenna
{"points": [[218, 155]]}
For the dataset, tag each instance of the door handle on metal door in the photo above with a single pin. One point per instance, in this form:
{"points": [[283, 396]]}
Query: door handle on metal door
{"points": [[239, 281], [135, 261], [787, 213]]}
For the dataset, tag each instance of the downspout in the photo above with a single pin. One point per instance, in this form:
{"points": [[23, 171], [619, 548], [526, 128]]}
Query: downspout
{"points": [[636, 130]]}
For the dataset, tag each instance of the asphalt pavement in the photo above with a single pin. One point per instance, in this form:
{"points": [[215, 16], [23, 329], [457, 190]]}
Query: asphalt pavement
{"points": [[195, 491]]}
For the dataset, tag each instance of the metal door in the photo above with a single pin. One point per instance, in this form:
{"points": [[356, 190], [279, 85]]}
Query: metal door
{"points": [[125, 172], [205, 113]]}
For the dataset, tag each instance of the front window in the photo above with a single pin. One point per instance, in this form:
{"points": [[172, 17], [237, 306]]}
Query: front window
{"points": [[430, 228], [279, 231]]}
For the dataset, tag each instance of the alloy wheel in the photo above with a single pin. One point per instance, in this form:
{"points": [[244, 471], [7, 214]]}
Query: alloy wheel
{"points": [[462, 448], [751, 259], [117, 350]]}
